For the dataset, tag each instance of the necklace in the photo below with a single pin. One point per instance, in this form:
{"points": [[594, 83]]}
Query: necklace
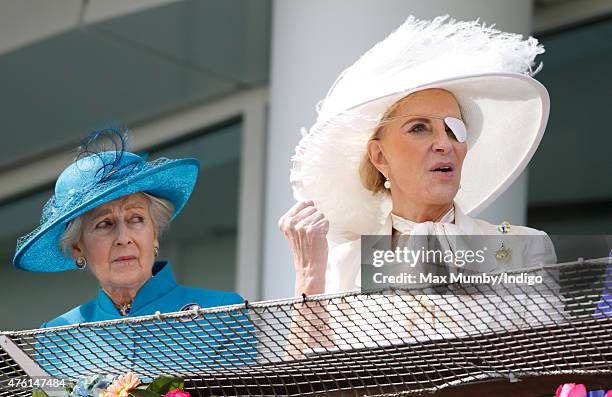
{"points": [[125, 309]]}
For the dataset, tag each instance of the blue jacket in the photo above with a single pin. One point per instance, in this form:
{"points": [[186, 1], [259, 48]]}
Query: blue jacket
{"points": [[174, 346], [160, 293]]}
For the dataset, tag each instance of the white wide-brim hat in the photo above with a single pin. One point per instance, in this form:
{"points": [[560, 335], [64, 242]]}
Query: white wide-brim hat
{"points": [[488, 71]]}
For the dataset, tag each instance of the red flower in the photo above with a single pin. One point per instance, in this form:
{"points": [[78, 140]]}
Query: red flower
{"points": [[571, 390], [177, 393]]}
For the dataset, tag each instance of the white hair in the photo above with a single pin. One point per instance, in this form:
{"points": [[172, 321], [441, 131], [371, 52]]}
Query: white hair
{"points": [[161, 211]]}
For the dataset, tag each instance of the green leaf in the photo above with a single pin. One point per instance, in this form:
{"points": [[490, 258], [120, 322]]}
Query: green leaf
{"points": [[177, 384], [143, 393], [163, 384], [39, 393]]}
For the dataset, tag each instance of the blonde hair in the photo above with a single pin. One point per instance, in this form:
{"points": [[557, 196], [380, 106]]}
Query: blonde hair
{"points": [[161, 211], [371, 178]]}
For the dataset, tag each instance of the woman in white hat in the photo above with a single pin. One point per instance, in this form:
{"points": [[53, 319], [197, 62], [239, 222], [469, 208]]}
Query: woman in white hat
{"points": [[423, 132]]}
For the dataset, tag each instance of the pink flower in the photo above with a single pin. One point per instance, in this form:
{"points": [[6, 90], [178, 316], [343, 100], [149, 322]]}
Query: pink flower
{"points": [[571, 390], [177, 393], [122, 386], [609, 393]]}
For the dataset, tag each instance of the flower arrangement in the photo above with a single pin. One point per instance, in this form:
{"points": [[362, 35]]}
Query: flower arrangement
{"points": [[123, 385], [126, 385], [129, 385], [574, 390]]}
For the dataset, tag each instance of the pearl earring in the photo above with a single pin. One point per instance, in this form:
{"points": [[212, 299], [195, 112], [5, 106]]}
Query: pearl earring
{"points": [[387, 184]]}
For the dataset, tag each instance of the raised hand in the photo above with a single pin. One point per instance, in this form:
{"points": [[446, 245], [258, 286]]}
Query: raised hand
{"points": [[305, 228]]}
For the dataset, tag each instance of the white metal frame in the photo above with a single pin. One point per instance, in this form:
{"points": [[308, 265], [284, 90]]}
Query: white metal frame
{"points": [[252, 106]]}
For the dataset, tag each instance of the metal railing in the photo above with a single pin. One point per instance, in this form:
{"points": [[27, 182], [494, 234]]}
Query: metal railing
{"points": [[392, 341]]}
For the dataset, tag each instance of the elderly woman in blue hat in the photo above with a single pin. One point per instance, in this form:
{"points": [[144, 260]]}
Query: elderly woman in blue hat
{"points": [[107, 214]]}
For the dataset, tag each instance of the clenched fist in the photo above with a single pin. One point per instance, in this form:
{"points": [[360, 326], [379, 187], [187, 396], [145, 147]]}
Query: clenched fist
{"points": [[305, 228]]}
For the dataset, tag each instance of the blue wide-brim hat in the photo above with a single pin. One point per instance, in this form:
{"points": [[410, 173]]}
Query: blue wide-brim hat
{"points": [[92, 181]]}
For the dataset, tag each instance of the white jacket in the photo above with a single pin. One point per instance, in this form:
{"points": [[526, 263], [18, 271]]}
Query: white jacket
{"points": [[422, 317]]}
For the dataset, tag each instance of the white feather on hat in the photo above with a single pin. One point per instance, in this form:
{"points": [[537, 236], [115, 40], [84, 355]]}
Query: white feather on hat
{"points": [[488, 71]]}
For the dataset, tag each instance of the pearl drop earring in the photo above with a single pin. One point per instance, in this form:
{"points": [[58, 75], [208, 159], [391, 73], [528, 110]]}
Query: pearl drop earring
{"points": [[387, 184]]}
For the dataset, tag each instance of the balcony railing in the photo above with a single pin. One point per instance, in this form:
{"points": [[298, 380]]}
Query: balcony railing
{"points": [[463, 338]]}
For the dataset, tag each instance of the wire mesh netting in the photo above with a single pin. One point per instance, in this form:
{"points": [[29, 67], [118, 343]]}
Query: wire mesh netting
{"points": [[393, 341]]}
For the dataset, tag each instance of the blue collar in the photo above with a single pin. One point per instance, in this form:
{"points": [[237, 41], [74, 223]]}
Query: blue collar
{"points": [[157, 286]]}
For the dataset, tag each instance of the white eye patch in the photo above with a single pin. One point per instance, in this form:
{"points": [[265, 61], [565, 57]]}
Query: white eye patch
{"points": [[458, 127]]}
